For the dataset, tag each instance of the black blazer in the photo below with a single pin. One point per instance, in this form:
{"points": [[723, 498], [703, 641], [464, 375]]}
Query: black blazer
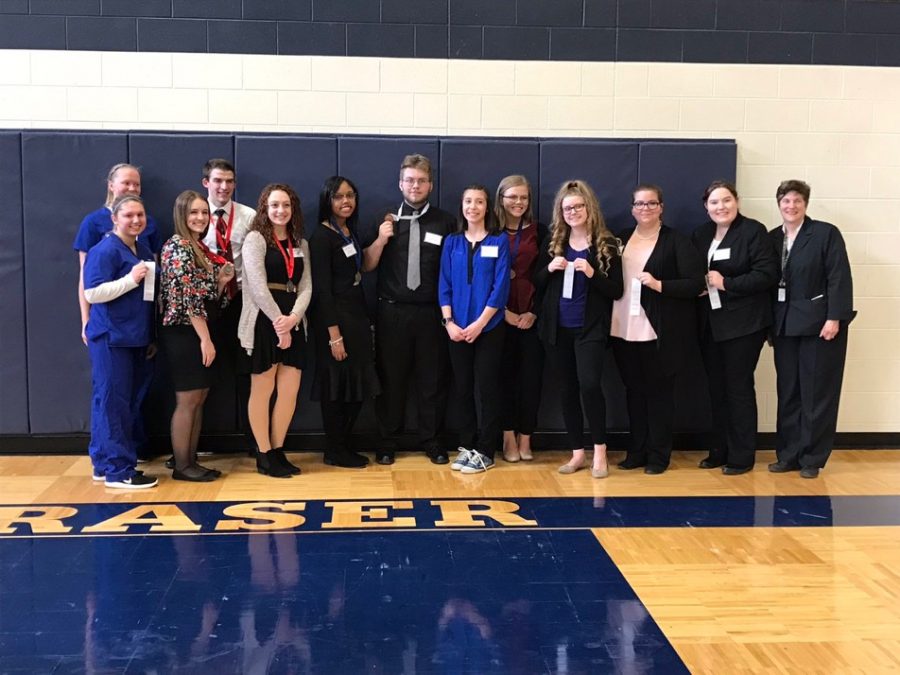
{"points": [[601, 291], [818, 283], [750, 271], [676, 263]]}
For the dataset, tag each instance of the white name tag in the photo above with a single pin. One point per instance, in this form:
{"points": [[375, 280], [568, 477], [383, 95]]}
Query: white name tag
{"points": [[568, 281], [634, 308], [714, 300], [349, 250], [782, 295], [432, 238], [298, 252], [489, 251], [149, 280], [722, 254]]}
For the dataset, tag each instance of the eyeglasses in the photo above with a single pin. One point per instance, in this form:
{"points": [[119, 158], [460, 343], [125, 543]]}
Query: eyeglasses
{"points": [[574, 208], [516, 199], [341, 196], [645, 205], [416, 181]]}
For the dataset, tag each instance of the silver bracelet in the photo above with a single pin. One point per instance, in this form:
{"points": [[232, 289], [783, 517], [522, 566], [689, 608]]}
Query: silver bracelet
{"points": [[332, 343]]}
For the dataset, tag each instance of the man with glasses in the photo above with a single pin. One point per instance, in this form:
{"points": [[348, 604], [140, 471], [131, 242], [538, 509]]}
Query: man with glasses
{"points": [[411, 343]]}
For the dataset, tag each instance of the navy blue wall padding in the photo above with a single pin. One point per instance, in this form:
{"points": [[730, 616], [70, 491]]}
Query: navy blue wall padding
{"points": [[610, 167], [64, 177], [683, 169], [484, 161], [50, 180], [13, 377]]}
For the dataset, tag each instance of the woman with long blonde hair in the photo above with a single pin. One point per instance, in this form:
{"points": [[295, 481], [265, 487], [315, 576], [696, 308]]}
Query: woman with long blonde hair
{"points": [[578, 277]]}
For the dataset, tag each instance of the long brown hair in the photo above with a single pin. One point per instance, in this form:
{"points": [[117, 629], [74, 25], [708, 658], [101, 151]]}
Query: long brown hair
{"points": [[599, 236], [180, 213], [263, 225]]}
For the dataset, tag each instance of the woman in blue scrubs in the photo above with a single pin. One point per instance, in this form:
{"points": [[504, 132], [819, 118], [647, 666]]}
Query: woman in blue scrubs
{"points": [[119, 332], [473, 289]]}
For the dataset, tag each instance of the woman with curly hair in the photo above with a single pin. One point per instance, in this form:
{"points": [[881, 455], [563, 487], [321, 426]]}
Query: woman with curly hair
{"points": [[578, 276], [654, 326], [192, 289], [277, 287]]}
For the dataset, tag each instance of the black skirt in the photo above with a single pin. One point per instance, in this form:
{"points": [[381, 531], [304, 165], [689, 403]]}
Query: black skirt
{"points": [[265, 340], [181, 348]]}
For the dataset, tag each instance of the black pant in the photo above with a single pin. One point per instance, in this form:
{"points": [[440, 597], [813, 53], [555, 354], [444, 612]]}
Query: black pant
{"points": [[523, 370], [730, 365], [479, 363], [411, 346], [580, 367], [338, 418], [232, 386], [650, 395], [810, 372]]}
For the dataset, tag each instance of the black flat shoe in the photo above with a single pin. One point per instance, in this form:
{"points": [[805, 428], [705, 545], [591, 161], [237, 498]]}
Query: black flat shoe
{"points": [[782, 467], [204, 476], [285, 462], [437, 455], [629, 464], [735, 471], [270, 466], [385, 457], [709, 463], [654, 470], [809, 472], [346, 459]]}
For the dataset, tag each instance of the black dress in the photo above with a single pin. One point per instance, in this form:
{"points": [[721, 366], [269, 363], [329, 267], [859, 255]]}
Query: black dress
{"points": [[265, 340], [338, 300]]}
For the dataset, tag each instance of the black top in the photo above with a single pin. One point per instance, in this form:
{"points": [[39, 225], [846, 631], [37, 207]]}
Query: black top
{"points": [[334, 275], [817, 281], [750, 268], [276, 268], [394, 257], [602, 289], [676, 263]]}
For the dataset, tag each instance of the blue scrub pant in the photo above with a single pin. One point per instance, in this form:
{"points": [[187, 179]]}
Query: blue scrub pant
{"points": [[121, 377]]}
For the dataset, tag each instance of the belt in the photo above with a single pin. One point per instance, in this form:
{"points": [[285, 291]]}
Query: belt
{"points": [[282, 287]]}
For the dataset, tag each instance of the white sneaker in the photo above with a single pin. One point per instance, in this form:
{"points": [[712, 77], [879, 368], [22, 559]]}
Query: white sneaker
{"points": [[462, 459], [137, 482], [478, 463]]}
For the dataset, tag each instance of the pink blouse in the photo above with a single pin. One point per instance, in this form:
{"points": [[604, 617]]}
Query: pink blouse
{"points": [[633, 328]]}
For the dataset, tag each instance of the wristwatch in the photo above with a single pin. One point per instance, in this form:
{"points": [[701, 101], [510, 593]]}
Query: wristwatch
{"points": [[445, 320]]}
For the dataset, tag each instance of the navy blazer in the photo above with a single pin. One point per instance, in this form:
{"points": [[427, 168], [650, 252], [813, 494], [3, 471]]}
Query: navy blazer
{"points": [[676, 263], [602, 289], [818, 283], [750, 271]]}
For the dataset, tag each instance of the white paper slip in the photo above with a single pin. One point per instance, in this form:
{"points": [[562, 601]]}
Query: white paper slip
{"points": [[432, 238], [568, 281], [150, 281], [298, 252], [782, 295], [714, 300], [634, 308], [349, 250], [489, 251], [722, 254]]}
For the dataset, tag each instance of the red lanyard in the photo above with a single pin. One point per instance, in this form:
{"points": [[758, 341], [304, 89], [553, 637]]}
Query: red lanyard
{"points": [[212, 257], [224, 243], [289, 260]]}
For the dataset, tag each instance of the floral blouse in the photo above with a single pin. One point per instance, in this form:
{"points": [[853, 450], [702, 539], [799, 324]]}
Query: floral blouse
{"points": [[186, 287]]}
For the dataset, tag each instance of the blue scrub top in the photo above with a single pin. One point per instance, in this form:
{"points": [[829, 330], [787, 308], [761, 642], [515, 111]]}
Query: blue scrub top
{"points": [[472, 280], [127, 321], [98, 224]]}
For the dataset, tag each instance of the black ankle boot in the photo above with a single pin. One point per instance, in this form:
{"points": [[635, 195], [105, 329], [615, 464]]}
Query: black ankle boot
{"points": [[268, 465], [284, 462], [345, 458]]}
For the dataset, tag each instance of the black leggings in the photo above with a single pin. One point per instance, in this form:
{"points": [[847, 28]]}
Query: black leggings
{"points": [[523, 370]]}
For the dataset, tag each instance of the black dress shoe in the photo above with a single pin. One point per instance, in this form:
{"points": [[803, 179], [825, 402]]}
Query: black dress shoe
{"points": [[782, 467], [710, 463], [437, 455], [346, 459], [736, 471], [385, 457], [629, 464], [205, 476], [654, 470], [809, 472], [170, 463]]}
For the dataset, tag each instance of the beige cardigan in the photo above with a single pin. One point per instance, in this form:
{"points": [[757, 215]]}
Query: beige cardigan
{"points": [[257, 295]]}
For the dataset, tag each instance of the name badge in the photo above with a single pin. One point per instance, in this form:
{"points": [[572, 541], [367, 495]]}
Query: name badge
{"points": [[432, 238], [349, 250], [298, 252], [782, 294], [489, 251], [722, 254]]}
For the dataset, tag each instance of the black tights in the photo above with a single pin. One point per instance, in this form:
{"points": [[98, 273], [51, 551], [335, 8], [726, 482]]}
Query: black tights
{"points": [[186, 422]]}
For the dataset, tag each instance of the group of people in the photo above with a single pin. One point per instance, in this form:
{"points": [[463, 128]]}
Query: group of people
{"points": [[486, 295]]}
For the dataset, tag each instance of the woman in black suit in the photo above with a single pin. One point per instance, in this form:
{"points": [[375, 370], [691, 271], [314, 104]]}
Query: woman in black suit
{"points": [[653, 326], [813, 308], [735, 313]]}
